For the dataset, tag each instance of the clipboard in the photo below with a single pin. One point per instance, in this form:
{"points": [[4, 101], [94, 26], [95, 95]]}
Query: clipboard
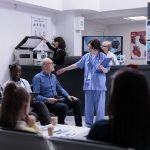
{"points": [[106, 62]]}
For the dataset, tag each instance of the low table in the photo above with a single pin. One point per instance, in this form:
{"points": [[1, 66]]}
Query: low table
{"points": [[67, 131]]}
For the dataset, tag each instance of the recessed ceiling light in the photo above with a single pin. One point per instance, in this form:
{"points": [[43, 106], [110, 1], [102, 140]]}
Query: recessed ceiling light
{"points": [[136, 18]]}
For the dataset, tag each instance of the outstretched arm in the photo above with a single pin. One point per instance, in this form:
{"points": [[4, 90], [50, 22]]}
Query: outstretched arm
{"points": [[71, 67]]}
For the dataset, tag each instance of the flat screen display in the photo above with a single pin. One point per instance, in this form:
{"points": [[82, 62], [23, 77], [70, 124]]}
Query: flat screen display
{"points": [[116, 43]]}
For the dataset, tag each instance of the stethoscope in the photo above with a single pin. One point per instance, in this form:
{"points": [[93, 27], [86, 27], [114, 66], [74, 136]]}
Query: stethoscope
{"points": [[19, 83], [90, 63]]}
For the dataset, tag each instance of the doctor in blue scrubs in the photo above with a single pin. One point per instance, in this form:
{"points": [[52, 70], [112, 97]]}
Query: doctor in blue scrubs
{"points": [[94, 81]]}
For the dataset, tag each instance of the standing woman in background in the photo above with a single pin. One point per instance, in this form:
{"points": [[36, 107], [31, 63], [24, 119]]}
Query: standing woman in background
{"points": [[94, 81], [58, 46]]}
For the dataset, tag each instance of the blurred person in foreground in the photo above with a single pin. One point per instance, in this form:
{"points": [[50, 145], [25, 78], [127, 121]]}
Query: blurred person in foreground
{"points": [[129, 112], [15, 109]]}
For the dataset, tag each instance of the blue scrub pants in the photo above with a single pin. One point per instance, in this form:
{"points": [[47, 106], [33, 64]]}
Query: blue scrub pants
{"points": [[94, 100]]}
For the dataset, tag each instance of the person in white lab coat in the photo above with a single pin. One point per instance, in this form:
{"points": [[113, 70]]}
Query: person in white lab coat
{"points": [[106, 47]]}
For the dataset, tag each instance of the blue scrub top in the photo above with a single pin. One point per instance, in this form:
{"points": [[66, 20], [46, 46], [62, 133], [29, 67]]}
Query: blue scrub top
{"points": [[94, 78]]}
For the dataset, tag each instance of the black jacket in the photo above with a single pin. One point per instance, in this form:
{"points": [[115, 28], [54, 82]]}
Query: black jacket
{"points": [[59, 54]]}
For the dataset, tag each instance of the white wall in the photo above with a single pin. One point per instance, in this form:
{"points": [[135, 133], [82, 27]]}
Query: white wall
{"points": [[65, 28], [125, 30], [15, 25], [94, 28]]}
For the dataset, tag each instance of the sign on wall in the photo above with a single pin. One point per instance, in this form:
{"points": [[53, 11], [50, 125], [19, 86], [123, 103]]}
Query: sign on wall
{"points": [[38, 26], [138, 45]]}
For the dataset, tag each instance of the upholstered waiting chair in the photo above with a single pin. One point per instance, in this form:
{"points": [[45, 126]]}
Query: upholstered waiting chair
{"points": [[75, 144], [20, 140]]}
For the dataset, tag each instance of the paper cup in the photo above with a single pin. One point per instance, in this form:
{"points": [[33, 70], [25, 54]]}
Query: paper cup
{"points": [[54, 120], [50, 130]]}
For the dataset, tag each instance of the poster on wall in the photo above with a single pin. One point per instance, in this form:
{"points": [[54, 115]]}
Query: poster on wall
{"points": [[148, 30], [116, 43], [138, 45], [148, 50], [148, 41], [38, 26]]}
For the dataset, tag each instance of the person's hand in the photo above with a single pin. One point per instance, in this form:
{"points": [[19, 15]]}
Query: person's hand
{"points": [[44, 38], [53, 44], [60, 71], [105, 70], [52, 100], [101, 67], [72, 98], [30, 119]]}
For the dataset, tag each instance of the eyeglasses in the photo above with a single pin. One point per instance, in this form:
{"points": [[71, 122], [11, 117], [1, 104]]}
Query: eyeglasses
{"points": [[51, 63], [104, 46]]}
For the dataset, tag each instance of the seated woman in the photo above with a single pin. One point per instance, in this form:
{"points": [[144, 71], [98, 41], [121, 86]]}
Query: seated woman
{"points": [[129, 112], [15, 109], [38, 107]]}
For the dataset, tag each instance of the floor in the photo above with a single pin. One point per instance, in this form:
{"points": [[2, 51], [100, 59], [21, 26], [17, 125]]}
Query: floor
{"points": [[70, 120]]}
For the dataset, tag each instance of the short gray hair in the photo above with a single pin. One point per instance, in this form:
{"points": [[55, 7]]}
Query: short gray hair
{"points": [[45, 61], [107, 43]]}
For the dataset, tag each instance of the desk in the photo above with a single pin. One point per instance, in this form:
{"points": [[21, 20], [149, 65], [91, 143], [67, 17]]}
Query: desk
{"points": [[67, 131]]}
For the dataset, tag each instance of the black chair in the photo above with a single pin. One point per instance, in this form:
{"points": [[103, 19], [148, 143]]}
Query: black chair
{"points": [[22, 140], [71, 59], [76, 144]]}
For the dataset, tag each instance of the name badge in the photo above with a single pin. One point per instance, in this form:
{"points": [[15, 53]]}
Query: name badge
{"points": [[89, 76]]}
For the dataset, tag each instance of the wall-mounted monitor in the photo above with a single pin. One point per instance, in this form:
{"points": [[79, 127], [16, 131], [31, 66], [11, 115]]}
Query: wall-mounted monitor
{"points": [[117, 43]]}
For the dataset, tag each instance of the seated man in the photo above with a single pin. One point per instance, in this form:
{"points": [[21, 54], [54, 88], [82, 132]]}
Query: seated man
{"points": [[48, 86]]}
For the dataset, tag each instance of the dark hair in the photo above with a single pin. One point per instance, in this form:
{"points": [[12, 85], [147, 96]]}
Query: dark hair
{"points": [[115, 44], [13, 67], [61, 42], [12, 102], [95, 43], [129, 108]]}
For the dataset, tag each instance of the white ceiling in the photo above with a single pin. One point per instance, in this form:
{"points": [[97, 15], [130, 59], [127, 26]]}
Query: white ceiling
{"points": [[105, 17], [114, 17]]}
